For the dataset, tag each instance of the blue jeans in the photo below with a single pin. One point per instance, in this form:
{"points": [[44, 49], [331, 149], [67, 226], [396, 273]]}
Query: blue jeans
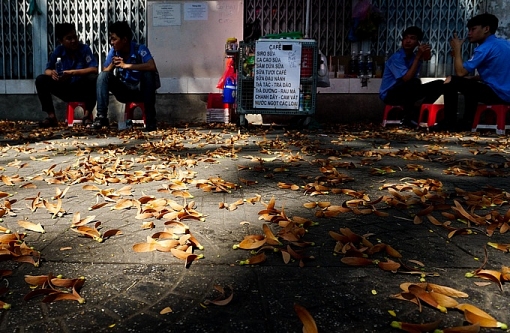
{"points": [[145, 92]]}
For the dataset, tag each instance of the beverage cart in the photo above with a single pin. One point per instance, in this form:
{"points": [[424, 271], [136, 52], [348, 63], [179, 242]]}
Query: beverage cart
{"points": [[277, 77]]}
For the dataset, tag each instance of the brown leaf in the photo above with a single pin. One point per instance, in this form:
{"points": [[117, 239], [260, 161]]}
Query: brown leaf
{"points": [[97, 206], [392, 252], [475, 315], [309, 325], [443, 300], [256, 259], [91, 188], [222, 300], [166, 310], [424, 296], [389, 265], [357, 261], [463, 329], [61, 296], [123, 204], [148, 225], [286, 256], [111, 232], [77, 220], [448, 291], [494, 276], [37, 280], [32, 226], [88, 232], [271, 239], [416, 328], [252, 242], [29, 185], [144, 247]]}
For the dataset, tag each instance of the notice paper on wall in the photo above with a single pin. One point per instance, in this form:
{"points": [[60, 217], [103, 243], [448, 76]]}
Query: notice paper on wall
{"points": [[277, 74]]}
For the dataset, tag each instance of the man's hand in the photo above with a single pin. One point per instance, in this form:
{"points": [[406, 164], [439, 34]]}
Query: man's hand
{"points": [[424, 52], [456, 44], [64, 77], [118, 62]]}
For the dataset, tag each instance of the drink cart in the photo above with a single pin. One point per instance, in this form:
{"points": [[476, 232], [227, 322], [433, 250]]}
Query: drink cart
{"points": [[277, 77]]}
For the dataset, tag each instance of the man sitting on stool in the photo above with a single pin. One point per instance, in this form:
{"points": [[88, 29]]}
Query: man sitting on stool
{"points": [[490, 58], [129, 74], [401, 84], [77, 82]]}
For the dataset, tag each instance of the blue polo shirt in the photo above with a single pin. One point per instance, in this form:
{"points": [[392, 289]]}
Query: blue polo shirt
{"points": [[394, 69], [491, 60], [139, 54], [83, 58]]}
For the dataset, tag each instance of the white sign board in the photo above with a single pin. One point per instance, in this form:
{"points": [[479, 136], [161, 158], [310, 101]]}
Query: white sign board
{"points": [[195, 11], [166, 14], [277, 74]]}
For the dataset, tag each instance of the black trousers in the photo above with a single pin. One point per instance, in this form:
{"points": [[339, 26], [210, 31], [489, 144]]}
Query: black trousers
{"points": [[474, 91], [412, 91], [83, 90]]}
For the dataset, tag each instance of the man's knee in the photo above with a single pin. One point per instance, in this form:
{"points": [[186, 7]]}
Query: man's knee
{"points": [[42, 80], [147, 81], [91, 77], [103, 76]]}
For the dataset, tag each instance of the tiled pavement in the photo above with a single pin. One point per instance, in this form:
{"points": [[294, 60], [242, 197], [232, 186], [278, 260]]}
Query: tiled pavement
{"points": [[126, 291]]}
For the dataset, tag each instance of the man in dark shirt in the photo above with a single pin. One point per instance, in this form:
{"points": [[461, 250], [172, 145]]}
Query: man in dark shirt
{"points": [[77, 82], [401, 84]]}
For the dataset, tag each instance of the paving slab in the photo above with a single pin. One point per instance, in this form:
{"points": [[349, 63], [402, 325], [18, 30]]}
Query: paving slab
{"points": [[126, 291]]}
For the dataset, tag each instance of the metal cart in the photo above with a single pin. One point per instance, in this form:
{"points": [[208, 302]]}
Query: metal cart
{"points": [[260, 93]]}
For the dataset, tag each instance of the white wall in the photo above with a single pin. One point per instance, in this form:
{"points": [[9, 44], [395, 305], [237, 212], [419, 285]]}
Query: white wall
{"points": [[501, 8], [187, 40]]}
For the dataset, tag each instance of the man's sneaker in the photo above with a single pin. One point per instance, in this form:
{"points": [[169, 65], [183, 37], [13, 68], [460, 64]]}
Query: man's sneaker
{"points": [[100, 122]]}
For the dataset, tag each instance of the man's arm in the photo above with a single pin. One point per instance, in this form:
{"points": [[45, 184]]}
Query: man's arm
{"points": [[83, 71], [149, 66], [423, 50], [456, 45]]}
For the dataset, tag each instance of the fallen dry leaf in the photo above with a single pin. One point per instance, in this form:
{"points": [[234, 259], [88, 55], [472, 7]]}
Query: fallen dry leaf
{"points": [[32, 226]]}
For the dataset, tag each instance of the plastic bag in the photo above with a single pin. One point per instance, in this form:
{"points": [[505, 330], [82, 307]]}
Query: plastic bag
{"points": [[365, 21], [229, 72], [323, 72], [361, 9]]}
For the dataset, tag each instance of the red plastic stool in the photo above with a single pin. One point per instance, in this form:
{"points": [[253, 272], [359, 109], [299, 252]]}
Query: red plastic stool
{"points": [[433, 112], [387, 110], [71, 107], [499, 110], [129, 110]]}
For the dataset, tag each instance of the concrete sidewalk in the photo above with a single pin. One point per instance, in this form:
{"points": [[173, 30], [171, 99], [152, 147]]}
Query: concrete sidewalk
{"points": [[194, 167]]}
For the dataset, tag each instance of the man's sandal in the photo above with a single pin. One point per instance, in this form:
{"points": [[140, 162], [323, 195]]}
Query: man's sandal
{"points": [[86, 121], [48, 122]]}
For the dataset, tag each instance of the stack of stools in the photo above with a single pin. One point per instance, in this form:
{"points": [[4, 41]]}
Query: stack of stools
{"points": [[499, 111], [432, 112], [129, 112], [71, 107], [217, 111], [397, 115]]}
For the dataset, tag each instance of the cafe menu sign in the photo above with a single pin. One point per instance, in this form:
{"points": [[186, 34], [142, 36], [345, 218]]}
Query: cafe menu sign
{"points": [[277, 74]]}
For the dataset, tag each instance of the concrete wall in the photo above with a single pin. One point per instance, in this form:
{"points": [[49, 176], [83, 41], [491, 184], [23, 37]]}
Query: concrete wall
{"points": [[176, 109]]}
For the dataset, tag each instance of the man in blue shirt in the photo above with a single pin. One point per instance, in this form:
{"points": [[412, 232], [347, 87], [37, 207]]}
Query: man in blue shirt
{"points": [[401, 84], [129, 73], [490, 59], [77, 83]]}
